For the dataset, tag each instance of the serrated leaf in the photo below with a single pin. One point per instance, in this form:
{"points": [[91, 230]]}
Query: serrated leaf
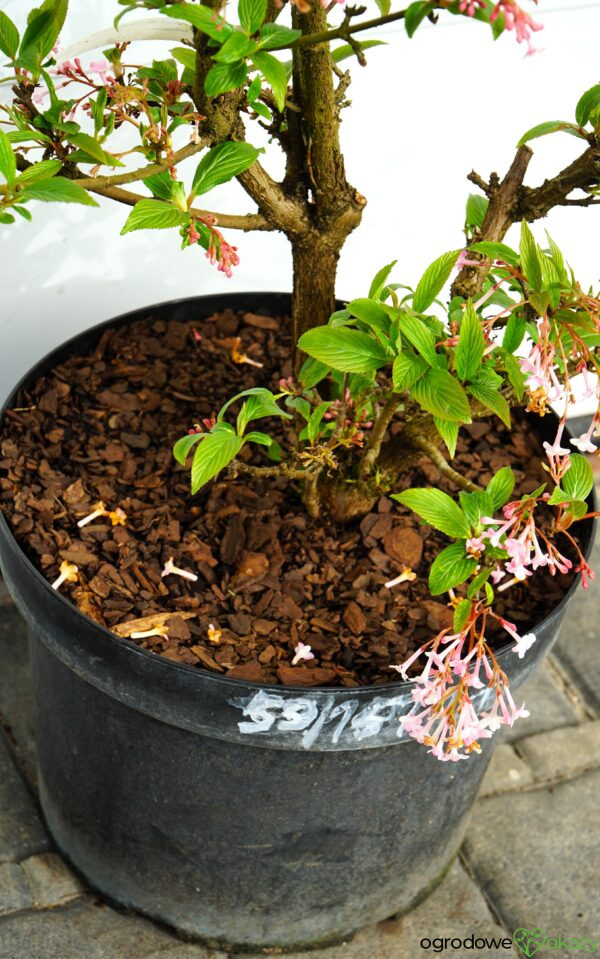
{"points": [[237, 47], [475, 505], [260, 403], [415, 14], [420, 336], [384, 6], [9, 36], [153, 215], [461, 614], [312, 372], [514, 332], [43, 170], [273, 35], [530, 261], [58, 190], [8, 161], [496, 251], [183, 446], [407, 369], [440, 393], [478, 583], [221, 164], [160, 185], [579, 478], [213, 454], [379, 280], [471, 344], [223, 77], [201, 17], [371, 313], [186, 56], [477, 207], [515, 374], [449, 433], [275, 73], [550, 126], [252, 14], [261, 438], [500, 487], [315, 419], [436, 508], [491, 397], [433, 280], [587, 104], [348, 351], [93, 149], [346, 51], [450, 568]]}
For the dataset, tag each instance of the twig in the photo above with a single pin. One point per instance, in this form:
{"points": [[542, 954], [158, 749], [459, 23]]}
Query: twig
{"points": [[151, 169], [281, 470], [444, 466], [377, 435]]}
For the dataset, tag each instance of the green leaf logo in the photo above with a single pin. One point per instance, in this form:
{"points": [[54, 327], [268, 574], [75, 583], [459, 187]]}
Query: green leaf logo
{"points": [[529, 940]]}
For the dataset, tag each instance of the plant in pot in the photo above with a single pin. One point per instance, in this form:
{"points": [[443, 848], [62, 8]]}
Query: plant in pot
{"points": [[247, 698]]}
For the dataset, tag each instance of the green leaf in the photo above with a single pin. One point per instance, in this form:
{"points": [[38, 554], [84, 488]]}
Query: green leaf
{"points": [[496, 251], [9, 36], [223, 77], [490, 396], [450, 568], [461, 614], [433, 280], [273, 35], [221, 164], [407, 369], [550, 126], [160, 185], [342, 349], [477, 207], [371, 313], [91, 146], [261, 438], [500, 487], [384, 6], [579, 478], [420, 336], [8, 161], [514, 332], [514, 373], [315, 419], [237, 47], [43, 27], [312, 372], [39, 171], [201, 17], [260, 403], [58, 190], [252, 14], [587, 105], [415, 14], [530, 258], [185, 444], [215, 452], [478, 583], [440, 393], [274, 72], [475, 505], [186, 56], [379, 280], [471, 344], [346, 51], [449, 433], [436, 508], [153, 215]]}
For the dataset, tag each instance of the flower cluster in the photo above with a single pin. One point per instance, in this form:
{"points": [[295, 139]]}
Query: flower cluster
{"points": [[518, 20], [458, 665]]}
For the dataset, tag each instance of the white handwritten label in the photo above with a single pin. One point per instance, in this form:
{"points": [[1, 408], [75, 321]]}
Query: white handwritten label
{"points": [[321, 718]]}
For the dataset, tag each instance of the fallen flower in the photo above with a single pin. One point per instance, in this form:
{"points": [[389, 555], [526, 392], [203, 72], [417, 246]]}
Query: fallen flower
{"points": [[406, 576], [302, 651], [99, 510], [176, 571], [214, 634], [68, 573], [118, 517], [159, 630], [238, 357]]}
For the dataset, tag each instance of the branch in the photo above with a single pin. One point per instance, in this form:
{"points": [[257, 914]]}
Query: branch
{"points": [[251, 221], [238, 467], [444, 466], [151, 169], [281, 211], [377, 435], [341, 32]]}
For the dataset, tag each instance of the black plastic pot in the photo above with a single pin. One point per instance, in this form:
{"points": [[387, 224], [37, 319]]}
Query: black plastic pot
{"points": [[242, 814]]}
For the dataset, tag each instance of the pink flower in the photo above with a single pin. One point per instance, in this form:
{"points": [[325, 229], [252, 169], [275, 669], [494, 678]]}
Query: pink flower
{"points": [[518, 20], [302, 651], [584, 442], [555, 449], [519, 558], [586, 573], [463, 256], [101, 67], [470, 7], [475, 546]]}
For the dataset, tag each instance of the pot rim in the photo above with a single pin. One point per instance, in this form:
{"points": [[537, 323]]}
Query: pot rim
{"points": [[47, 362]]}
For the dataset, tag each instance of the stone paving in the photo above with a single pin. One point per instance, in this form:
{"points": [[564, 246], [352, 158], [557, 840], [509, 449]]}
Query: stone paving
{"points": [[530, 859]]}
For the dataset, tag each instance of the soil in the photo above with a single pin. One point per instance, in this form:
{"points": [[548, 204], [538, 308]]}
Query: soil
{"points": [[101, 427]]}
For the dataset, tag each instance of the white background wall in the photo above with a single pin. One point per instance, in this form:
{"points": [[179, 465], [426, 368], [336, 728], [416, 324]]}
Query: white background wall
{"points": [[425, 112]]}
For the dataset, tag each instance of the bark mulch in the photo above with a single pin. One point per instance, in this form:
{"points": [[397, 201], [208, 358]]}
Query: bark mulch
{"points": [[101, 427]]}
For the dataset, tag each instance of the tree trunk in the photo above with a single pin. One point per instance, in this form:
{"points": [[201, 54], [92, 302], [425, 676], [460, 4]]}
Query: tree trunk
{"points": [[315, 260]]}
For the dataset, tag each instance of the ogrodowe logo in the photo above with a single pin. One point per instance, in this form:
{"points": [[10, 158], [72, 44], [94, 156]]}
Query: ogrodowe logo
{"points": [[530, 940]]}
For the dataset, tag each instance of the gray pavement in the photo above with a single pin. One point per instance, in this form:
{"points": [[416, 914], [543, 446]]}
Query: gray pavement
{"points": [[529, 862]]}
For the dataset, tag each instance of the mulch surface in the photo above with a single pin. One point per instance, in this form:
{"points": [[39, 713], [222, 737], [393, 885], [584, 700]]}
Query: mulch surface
{"points": [[101, 427]]}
